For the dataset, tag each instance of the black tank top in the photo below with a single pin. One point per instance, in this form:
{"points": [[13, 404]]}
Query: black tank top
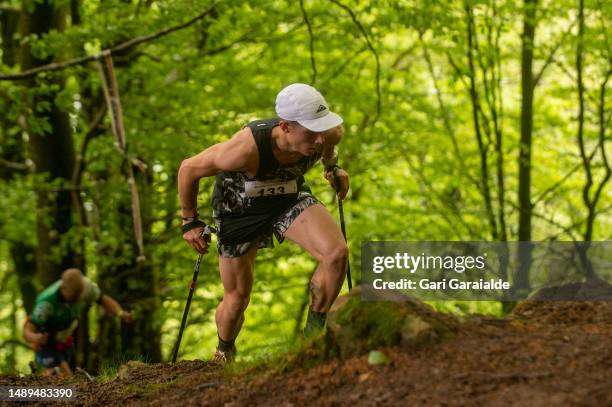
{"points": [[253, 203]]}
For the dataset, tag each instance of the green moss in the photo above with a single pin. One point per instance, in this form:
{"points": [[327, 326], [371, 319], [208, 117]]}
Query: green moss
{"points": [[467, 308], [443, 331], [300, 353], [379, 323]]}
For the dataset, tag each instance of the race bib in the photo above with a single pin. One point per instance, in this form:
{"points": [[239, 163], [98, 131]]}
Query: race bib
{"points": [[258, 189]]}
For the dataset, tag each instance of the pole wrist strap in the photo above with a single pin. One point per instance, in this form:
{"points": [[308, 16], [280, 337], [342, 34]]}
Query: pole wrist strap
{"points": [[192, 225]]}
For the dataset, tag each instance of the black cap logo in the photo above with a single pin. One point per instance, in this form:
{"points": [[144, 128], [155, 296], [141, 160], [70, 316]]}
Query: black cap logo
{"points": [[321, 108]]}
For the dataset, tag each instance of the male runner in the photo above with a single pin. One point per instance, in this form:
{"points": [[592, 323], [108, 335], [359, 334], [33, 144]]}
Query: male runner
{"points": [[55, 316], [260, 191]]}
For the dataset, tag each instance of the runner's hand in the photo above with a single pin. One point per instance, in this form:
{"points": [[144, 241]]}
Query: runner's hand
{"points": [[40, 341], [195, 238], [342, 176], [126, 316]]}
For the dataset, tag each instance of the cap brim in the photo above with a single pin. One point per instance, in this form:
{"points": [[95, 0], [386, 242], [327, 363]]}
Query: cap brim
{"points": [[329, 121]]}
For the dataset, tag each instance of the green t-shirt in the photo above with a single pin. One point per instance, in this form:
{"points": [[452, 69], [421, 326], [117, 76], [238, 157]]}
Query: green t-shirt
{"points": [[55, 316]]}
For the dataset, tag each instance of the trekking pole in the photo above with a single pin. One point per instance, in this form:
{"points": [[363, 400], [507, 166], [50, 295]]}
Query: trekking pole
{"points": [[343, 228], [208, 231]]}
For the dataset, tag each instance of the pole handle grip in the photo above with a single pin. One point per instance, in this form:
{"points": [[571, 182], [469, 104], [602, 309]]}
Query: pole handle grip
{"points": [[337, 183]]}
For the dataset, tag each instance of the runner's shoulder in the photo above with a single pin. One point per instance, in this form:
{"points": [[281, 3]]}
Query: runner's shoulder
{"points": [[242, 142], [49, 294], [263, 124]]}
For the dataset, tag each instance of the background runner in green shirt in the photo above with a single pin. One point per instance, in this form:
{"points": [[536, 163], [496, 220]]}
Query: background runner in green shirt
{"points": [[55, 316]]}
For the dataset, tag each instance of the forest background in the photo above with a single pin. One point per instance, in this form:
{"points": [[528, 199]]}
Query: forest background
{"points": [[464, 120]]}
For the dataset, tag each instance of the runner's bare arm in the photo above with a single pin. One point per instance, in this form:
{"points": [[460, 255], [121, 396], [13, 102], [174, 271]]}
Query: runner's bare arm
{"points": [[111, 306], [33, 337], [332, 138], [330, 158], [30, 333], [237, 154]]}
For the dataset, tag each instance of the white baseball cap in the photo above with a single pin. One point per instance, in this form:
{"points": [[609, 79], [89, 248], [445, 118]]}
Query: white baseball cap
{"points": [[304, 104]]}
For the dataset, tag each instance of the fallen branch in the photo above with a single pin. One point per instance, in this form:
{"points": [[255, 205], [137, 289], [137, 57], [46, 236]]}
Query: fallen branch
{"points": [[15, 342], [78, 369], [56, 66], [111, 94], [14, 166], [94, 130]]}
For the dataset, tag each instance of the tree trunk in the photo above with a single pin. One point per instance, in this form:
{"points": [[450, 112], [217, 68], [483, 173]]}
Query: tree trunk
{"points": [[52, 151], [22, 253], [521, 280], [135, 285], [8, 27], [482, 147]]}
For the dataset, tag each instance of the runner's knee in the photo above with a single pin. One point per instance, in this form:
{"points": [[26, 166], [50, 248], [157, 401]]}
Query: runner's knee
{"points": [[236, 302], [337, 256]]}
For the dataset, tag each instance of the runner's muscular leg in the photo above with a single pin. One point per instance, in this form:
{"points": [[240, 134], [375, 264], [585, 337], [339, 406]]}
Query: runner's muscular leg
{"points": [[237, 279], [318, 233]]}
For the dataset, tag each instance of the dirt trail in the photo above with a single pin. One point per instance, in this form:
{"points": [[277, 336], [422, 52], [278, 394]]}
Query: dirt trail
{"points": [[543, 354]]}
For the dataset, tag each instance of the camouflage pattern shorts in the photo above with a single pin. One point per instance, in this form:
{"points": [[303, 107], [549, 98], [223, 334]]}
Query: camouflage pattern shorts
{"points": [[279, 227]]}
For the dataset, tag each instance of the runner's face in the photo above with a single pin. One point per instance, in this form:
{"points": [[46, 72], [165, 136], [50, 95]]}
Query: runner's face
{"points": [[305, 141]]}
